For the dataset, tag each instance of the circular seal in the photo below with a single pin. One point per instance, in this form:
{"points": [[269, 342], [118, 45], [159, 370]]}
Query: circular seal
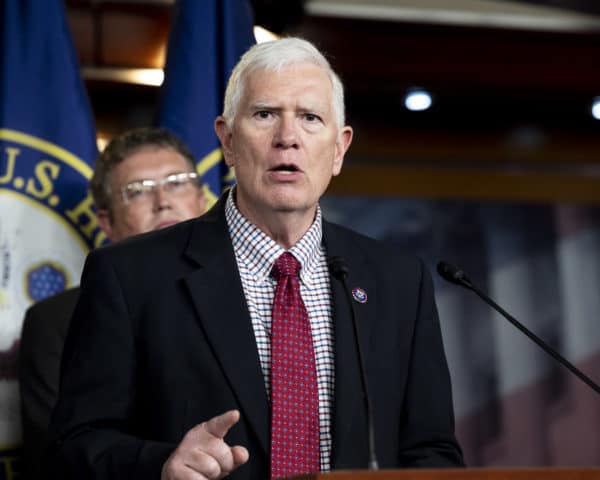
{"points": [[47, 227]]}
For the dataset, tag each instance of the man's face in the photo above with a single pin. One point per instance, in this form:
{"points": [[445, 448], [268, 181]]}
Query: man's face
{"points": [[284, 143], [155, 210]]}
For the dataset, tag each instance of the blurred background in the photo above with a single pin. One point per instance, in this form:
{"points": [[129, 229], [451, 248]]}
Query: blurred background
{"points": [[512, 86], [477, 141]]}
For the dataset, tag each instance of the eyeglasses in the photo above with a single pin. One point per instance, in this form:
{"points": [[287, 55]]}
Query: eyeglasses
{"points": [[176, 184]]}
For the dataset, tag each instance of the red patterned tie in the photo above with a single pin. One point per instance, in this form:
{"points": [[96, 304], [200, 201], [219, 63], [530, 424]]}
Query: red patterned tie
{"points": [[294, 395]]}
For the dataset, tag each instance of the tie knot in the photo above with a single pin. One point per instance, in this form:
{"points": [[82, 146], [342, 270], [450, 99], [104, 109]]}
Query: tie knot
{"points": [[286, 266]]}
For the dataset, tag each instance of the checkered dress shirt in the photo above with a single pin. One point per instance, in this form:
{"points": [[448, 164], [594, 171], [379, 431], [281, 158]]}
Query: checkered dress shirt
{"points": [[255, 254]]}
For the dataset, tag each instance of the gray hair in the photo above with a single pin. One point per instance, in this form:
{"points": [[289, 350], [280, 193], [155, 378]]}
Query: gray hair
{"points": [[274, 56]]}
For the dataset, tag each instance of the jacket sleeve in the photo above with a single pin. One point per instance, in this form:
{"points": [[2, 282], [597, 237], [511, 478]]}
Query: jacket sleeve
{"points": [[39, 362], [427, 428], [92, 428]]}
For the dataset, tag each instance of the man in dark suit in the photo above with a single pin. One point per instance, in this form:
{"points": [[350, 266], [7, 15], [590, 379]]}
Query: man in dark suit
{"points": [[148, 153], [173, 366]]}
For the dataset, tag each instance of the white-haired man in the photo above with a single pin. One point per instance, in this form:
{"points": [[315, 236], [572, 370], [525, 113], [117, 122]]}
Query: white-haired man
{"points": [[224, 346]]}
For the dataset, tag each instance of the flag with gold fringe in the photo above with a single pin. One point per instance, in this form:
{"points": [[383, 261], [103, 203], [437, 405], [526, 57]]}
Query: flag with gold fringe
{"points": [[47, 146]]}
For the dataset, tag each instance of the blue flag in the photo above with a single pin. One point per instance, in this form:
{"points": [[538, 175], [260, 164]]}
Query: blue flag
{"points": [[207, 39], [47, 147]]}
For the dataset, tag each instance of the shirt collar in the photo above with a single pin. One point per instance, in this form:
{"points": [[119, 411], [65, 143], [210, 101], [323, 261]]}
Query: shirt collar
{"points": [[259, 251]]}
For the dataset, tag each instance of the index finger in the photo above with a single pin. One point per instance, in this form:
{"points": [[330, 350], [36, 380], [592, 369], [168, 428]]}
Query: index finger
{"points": [[220, 425]]}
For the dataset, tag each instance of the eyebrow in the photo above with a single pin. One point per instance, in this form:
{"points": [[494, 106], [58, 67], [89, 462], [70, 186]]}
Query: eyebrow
{"points": [[263, 106], [260, 105]]}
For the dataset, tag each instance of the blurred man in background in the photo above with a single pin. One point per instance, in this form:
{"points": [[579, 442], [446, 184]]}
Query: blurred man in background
{"points": [[144, 180]]}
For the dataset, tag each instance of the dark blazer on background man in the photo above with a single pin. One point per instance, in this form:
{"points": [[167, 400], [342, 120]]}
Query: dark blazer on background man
{"points": [[162, 340], [44, 331]]}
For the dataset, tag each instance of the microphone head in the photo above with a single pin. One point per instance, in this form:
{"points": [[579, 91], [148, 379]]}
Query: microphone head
{"points": [[453, 274], [338, 267]]}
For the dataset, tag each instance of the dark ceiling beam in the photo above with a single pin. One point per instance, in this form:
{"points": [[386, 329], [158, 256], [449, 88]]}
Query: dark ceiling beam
{"points": [[584, 6], [117, 34], [378, 56], [465, 184]]}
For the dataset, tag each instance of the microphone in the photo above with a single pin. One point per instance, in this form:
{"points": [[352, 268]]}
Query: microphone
{"points": [[455, 275], [339, 268]]}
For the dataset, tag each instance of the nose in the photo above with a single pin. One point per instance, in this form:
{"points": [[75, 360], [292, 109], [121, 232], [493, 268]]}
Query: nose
{"points": [[161, 199], [286, 135]]}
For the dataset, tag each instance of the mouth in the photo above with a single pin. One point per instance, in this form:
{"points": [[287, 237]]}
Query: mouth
{"points": [[286, 169], [165, 223]]}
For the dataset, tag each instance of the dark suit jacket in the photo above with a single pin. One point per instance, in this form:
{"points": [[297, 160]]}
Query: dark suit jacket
{"points": [[161, 340], [42, 339]]}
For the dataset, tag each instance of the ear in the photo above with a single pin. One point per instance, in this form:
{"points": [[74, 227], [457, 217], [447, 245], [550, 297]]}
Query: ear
{"points": [[224, 133], [341, 147], [105, 223]]}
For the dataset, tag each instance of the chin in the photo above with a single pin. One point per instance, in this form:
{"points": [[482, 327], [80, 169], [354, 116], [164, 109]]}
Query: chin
{"points": [[291, 201], [292, 206]]}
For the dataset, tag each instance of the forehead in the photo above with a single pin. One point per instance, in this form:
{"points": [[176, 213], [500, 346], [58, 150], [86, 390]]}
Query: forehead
{"points": [[297, 82], [152, 162]]}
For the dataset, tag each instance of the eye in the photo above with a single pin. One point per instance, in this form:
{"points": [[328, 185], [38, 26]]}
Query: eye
{"points": [[263, 114], [312, 118], [176, 183], [134, 191]]}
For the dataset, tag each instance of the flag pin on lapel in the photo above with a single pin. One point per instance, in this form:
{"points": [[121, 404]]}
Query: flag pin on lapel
{"points": [[359, 295]]}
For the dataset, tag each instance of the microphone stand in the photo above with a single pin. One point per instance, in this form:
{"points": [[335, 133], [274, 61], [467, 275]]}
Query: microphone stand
{"points": [[453, 274], [338, 267]]}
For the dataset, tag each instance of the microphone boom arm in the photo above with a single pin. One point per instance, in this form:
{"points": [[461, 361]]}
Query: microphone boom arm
{"points": [[338, 267], [454, 275]]}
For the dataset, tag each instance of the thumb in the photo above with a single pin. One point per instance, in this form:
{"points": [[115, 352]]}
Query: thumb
{"points": [[220, 425]]}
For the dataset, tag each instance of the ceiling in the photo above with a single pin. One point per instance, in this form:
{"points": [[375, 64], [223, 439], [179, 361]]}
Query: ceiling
{"points": [[571, 15], [512, 81]]}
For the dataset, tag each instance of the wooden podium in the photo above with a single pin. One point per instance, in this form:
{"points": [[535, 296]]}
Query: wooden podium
{"points": [[462, 474]]}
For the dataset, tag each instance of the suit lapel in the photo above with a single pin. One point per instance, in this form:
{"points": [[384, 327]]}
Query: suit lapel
{"points": [[350, 446], [219, 301]]}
